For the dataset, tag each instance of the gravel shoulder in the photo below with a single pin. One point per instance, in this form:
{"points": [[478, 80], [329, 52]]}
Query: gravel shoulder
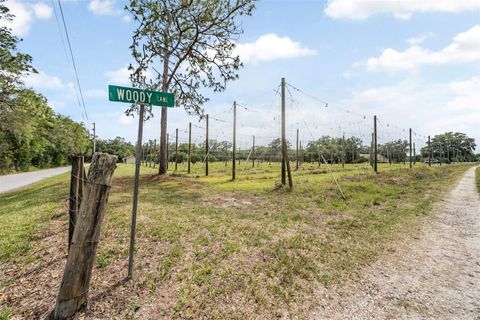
{"points": [[435, 275]]}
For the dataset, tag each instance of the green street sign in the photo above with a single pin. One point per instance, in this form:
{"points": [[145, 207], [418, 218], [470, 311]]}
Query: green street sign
{"points": [[134, 95]]}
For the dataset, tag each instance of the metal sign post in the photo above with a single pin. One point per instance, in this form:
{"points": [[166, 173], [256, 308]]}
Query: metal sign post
{"points": [[138, 159], [140, 97]]}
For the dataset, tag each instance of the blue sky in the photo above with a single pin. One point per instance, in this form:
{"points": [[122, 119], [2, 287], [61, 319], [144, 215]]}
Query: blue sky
{"points": [[413, 63]]}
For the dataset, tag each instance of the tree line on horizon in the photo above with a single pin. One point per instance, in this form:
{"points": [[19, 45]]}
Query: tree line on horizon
{"points": [[447, 147]]}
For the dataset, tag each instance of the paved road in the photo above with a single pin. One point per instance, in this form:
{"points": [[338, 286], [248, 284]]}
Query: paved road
{"points": [[15, 181]]}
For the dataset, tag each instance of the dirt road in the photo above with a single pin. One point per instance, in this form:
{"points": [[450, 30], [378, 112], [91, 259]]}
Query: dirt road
{"points": [[15, 181], [434, 276]]}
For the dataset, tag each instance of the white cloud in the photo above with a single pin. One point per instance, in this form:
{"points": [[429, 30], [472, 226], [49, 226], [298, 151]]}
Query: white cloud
{"points": [[125, 120], [61, 95], [20, 24], [120, 76], [271, 47], [464, 48], [467, 95], [400, 9], [42, 81], [104, 7], [42, 11], [415, 41], [24, 15], [428, 108]]}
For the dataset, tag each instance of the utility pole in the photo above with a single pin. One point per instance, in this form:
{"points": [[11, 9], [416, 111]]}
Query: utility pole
{"points": [[371, 151], [410, 138], [234, 138], [176, 149], [284, 151], [375, 167], [94, 139], [285, 160], [189, 145], [206, 147], [297, 152], [429, 153], [343, 151], [253, 152]]}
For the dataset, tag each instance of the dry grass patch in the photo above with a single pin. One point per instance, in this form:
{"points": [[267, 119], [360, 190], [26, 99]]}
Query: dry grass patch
{"points": [[211, 248]]}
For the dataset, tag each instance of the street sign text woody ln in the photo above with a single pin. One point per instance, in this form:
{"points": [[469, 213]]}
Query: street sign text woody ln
{"points": [[134, 95]]}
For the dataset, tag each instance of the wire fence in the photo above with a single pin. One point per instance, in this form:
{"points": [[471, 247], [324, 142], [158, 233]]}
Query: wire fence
{"points": [[333, 134]]}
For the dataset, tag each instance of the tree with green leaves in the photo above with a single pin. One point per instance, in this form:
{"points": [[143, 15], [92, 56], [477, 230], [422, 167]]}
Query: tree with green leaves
{"points": [[394, 151], [451, 146], [118, 147], [13, 64], [186, 45], [31, 133], [333, 149]]}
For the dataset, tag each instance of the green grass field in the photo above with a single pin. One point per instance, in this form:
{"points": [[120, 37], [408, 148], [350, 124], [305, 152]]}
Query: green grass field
{"points": [[210, 247]]}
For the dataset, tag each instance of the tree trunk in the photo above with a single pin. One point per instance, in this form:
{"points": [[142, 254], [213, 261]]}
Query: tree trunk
{"points": [[73, 293], [162, 167]]}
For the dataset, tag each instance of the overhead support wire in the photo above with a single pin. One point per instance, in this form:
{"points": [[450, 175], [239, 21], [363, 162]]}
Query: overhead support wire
{"points": [[73, 60]]}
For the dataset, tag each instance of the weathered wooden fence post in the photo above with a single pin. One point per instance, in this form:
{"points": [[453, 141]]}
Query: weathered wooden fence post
{"points": [[76, 190], [73, 293]]}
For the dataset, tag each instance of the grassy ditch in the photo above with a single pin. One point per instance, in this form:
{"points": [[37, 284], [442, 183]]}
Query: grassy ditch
{"points": [[208, 247]]}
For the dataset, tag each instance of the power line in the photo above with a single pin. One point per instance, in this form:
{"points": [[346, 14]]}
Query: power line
{"points": [[73, 60], [77, 96]]}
